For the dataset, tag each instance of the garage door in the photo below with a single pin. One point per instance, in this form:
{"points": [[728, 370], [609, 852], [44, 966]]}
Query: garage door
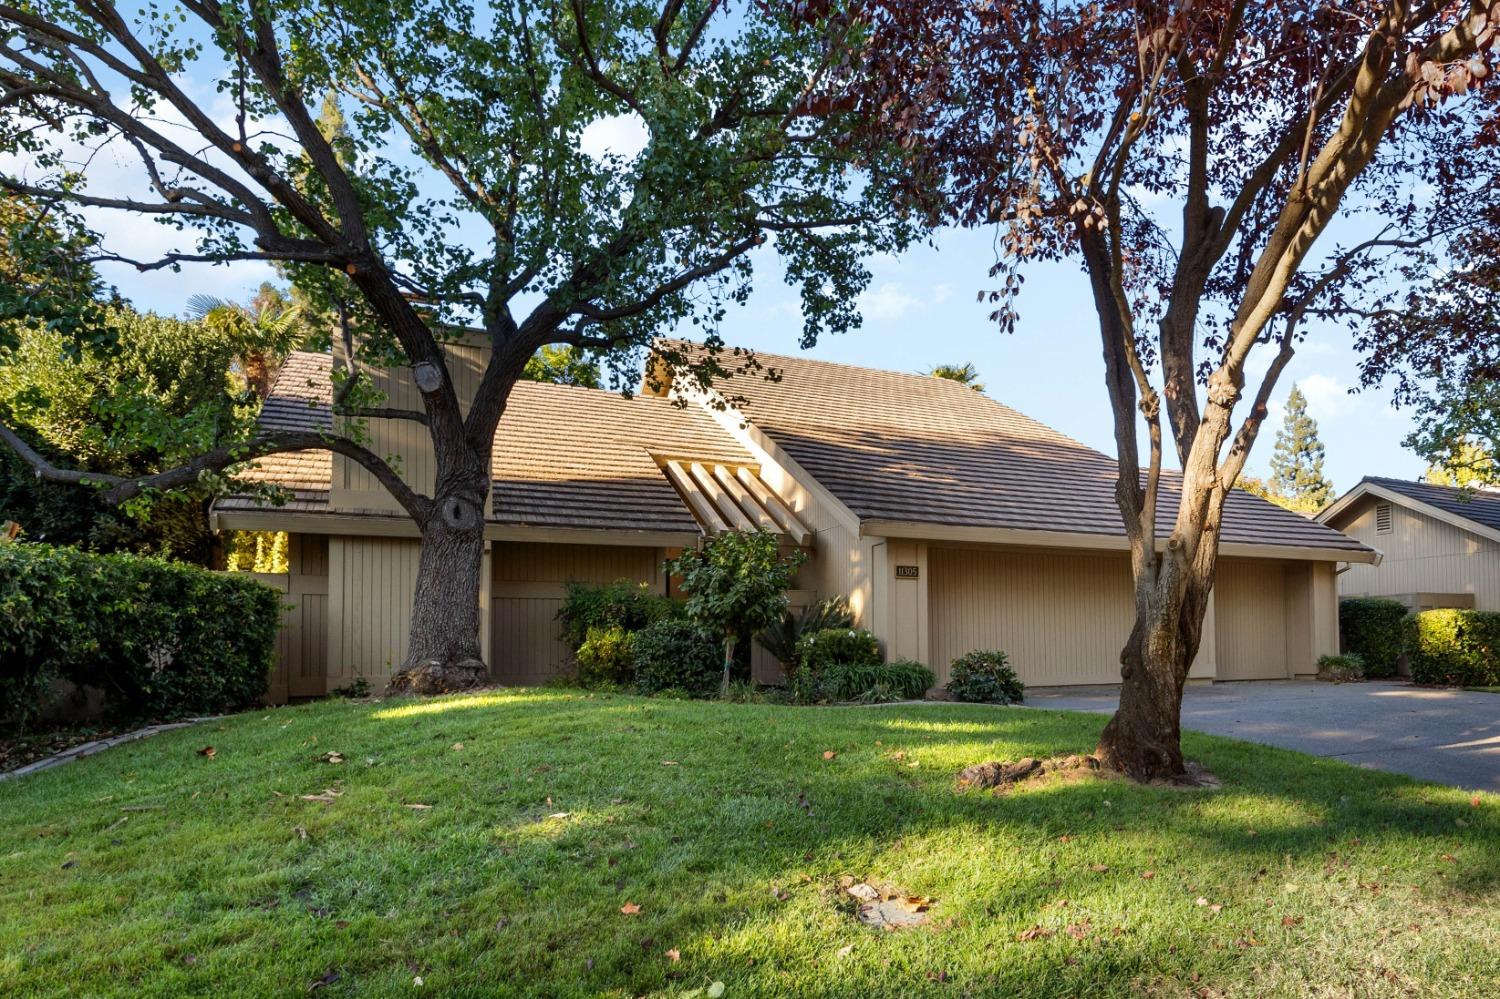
{"points": [[1250, 608], [1062, 619]]}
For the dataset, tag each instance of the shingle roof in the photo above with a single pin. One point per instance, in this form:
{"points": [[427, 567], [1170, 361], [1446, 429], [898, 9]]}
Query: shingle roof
{"points": [[1479, 506], [563, 457], [906, 447]]}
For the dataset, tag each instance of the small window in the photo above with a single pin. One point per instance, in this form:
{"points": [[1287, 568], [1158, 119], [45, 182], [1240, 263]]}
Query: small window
{"points": [[1382, 518]]}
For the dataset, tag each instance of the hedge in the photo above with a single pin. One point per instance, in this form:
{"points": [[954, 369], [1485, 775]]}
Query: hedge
{"points": [[1456, 648], [159, 638], [1375, 629]]}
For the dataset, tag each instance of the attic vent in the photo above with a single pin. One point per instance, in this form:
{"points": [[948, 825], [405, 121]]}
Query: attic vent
{"points": [[1382, 518]]}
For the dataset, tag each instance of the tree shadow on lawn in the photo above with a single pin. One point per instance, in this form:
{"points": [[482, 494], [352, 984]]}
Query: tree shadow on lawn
{"points": [[730, 829]]}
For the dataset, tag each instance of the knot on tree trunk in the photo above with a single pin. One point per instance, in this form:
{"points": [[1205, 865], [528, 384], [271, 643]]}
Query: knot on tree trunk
{"points": [[437, 677], [459, 513]]}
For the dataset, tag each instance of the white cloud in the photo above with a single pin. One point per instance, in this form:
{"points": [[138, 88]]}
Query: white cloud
{"points": [[1327, 397], [886, 301], [622, 134], [941, 293]]}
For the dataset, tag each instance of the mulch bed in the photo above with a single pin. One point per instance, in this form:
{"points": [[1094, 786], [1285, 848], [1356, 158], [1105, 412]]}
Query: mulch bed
{"points": [[18, 750], [999, 776]]}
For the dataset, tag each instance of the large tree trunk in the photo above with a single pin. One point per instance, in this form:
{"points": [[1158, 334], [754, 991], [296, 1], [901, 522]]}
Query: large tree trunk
{"points": [[444, 652], [1143, 737]]}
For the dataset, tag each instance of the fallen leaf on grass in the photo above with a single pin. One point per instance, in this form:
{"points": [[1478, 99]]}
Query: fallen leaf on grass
{"points": [[1035, 933], [457, 746], [326, 797], [630, 909], [208, 751], [1291, 920], [1148, 875], [674, 955], [1099, 868], [845, 950], [328, 978], [332, 756], [829, 754], [300, 832], [559, 815], [863, 892], [669, 763], [417, 806], [715, 990]]}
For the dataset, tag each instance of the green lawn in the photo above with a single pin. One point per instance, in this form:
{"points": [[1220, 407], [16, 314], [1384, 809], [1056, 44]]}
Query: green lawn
{"points": [[153, 870]]}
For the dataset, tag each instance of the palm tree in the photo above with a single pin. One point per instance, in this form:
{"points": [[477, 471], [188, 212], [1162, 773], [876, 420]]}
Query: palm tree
{"points": [[267, 329], [964, 374]]}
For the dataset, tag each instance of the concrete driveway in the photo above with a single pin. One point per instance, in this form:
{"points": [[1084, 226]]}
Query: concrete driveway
{"points": [[1447, 736]]}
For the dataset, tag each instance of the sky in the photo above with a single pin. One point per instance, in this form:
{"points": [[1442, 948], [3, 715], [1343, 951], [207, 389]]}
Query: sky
{"points": [[920, 309]]}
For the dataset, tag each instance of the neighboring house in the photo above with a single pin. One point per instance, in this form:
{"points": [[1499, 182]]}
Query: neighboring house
{"points": [[1440, 545], [948, 520]]}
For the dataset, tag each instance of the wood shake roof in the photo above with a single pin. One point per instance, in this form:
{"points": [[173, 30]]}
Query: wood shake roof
{"points": [[1479, 507], [913, 448]]}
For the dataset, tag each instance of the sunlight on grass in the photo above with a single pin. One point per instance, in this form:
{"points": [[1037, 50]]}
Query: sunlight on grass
{"points": [[728, 826], [462, 702]]}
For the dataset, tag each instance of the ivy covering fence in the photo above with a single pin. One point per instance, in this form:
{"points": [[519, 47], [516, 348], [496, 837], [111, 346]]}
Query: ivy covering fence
{"points": [[159, 638]]}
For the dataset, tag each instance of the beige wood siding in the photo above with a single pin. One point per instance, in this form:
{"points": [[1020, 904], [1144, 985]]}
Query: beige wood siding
{"points": [[1423, 555], [353, 486], [1252, 619], [1062, 619], [527, 586], [371, 584], [302, 644]]}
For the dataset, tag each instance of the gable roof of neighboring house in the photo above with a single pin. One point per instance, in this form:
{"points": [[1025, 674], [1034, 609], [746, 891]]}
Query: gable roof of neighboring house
{"points": [[1474, 510], [564, 456], [916, 449]]}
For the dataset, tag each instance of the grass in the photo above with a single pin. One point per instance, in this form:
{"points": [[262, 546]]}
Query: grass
{"points": [[154, 870], [1484, 690]]}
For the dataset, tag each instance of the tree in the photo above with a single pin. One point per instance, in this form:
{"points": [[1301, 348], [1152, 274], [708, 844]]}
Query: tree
{"points": [[562, 366], [1297, 480], [964, 374], [488, 214], [1437, 339], [155, 393], [736, 585], [1189, 155], [270, 327], [45, 274]]}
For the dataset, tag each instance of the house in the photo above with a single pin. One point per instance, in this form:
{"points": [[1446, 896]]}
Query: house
{"points": [[1441, 545], [950, 522]]}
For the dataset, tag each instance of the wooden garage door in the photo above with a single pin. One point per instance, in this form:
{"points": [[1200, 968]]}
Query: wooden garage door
{"points": [[1061, 618], [1250, 609]]}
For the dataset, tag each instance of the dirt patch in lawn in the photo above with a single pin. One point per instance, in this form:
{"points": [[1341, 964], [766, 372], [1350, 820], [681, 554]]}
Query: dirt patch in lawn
{"points": [[1000, 777]]}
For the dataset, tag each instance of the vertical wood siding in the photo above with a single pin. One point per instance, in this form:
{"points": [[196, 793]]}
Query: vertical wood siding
{"points": [[1422, 555], [527, 588], [1252, 620], [1061, 618], [302, 644], [371, 585]]}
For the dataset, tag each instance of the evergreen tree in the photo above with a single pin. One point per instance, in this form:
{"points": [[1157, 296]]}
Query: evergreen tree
{"points": [[1297, 481]]}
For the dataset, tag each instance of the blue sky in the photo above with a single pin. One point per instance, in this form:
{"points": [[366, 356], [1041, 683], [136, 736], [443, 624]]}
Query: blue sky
{"points": [[921, 310]]}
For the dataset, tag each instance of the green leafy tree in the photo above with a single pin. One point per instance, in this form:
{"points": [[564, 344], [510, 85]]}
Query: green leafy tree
{"points": [[46, 274], [736, 585], [562, 366], [1297, 481], [157, 394], [464, 188], [964, 374]]}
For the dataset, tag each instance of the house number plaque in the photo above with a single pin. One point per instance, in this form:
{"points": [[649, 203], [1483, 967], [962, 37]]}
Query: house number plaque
{"points": [[907, 572]]}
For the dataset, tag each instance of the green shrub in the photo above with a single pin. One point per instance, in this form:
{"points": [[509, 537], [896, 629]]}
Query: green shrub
{"points": [[821, 650], [604, 658], [1346, 668], [673, 653], [159, 638], [984, 677], [1374, 628], [1455, 648], [780, 638], [622, 604], [875, 683]]}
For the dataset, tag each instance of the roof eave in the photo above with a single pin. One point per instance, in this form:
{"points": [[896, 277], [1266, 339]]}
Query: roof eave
{"points": [[882, 528], [1345, 502]]}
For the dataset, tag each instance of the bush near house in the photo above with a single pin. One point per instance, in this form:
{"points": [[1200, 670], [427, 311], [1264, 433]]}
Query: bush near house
{"points": [[1347, 668], [623, 604], [1455, 647], [984, 677], [604, 657], [159, 638], [781, 638], [876, 683], [676, 655], [1375, 629]]}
